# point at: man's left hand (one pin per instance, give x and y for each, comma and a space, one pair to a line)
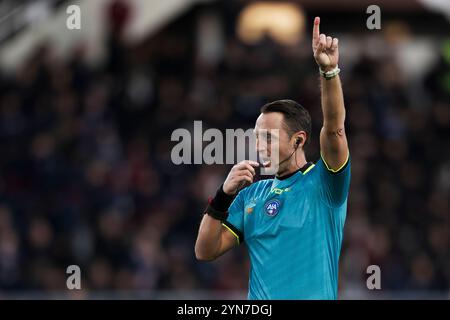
325, 48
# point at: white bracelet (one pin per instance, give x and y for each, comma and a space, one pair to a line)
330, 74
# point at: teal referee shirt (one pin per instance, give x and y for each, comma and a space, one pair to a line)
293, 230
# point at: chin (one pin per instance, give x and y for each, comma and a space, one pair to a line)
270, 170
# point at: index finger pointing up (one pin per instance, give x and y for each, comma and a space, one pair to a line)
316, 31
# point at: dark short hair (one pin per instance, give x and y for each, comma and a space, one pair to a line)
296, 117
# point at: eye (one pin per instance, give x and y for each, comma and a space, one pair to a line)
264, 138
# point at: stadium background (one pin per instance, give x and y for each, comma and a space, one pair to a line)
86, 118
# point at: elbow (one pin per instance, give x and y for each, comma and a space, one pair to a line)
205, 258
201, 255
335, 118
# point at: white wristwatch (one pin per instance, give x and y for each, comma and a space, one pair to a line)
330, 74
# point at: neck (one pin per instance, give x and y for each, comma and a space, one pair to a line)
297, 161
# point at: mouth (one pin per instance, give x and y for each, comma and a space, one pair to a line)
267, 167
266, 163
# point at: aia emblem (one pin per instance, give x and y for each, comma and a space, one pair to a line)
272, 207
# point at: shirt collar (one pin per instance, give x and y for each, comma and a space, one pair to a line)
302, 169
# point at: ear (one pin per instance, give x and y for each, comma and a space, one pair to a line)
300, 139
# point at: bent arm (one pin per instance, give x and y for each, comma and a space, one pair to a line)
217, 234
213, 239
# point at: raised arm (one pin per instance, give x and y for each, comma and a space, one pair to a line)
333, 142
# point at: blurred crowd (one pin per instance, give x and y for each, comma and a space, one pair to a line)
86, 176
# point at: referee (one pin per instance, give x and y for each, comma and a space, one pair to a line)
292, 224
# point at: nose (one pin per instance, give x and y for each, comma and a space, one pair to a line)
262, 149
259, 146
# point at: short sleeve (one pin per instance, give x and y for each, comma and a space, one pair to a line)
235, 220
335, 184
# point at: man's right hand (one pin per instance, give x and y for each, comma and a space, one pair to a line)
240, 175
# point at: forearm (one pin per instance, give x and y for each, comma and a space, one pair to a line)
332, 104
209, 238
212, 240
333, 141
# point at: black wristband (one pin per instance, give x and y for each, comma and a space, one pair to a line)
218, 215
221, 201
218, 206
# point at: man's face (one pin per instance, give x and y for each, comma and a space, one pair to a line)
271, 136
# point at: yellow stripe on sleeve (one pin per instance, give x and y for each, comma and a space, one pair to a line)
338, 169
234, 233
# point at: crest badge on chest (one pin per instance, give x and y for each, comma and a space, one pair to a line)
272, 207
